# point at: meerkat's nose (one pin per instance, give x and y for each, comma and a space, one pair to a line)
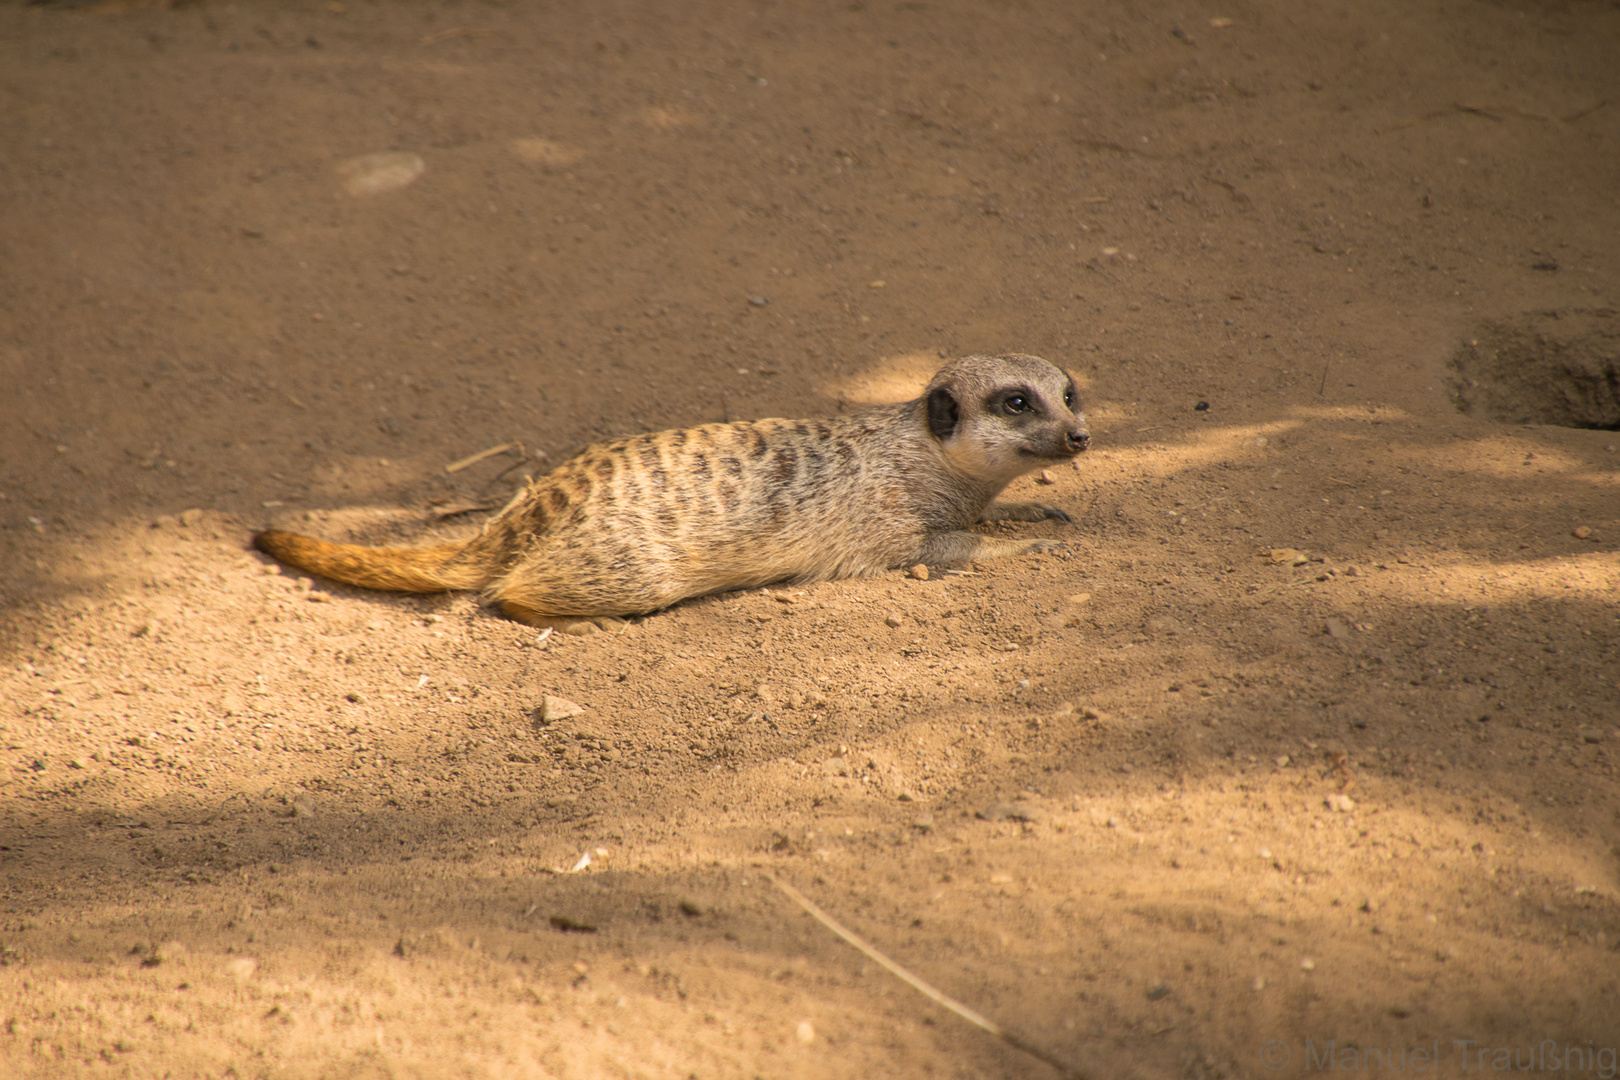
1079, 439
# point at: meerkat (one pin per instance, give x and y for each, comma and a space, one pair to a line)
633, 526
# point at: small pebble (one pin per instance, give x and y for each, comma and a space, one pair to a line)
355, 696
1259, 983
1591, 735
558, 708
1158, 992
760, 301
1307, 964
1341, 803
1336, 629
374, 174
1582, 532
892, 621
806, 1032
303, 806
919, 572
1283, 760
1045, 477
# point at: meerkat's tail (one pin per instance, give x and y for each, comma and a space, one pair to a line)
390, 569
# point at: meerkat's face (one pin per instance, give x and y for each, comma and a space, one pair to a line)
998, 417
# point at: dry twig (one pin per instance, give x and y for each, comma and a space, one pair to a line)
473, 459
919, 985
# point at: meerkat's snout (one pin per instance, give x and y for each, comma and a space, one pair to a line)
1079, 440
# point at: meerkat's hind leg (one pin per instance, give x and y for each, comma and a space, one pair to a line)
1024, 511
960, 546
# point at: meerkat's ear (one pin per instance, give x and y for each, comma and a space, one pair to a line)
943, 412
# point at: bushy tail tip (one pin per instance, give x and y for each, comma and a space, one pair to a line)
389, 569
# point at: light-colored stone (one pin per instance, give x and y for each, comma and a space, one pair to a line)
558, 708
373, 174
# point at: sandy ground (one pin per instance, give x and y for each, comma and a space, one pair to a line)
1163, 803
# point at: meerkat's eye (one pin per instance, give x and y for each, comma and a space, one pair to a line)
1017, 403
1068, 398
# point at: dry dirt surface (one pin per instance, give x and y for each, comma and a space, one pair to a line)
1300, 757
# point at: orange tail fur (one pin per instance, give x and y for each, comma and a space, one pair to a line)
417, 570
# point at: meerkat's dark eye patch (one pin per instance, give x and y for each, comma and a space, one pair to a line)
943, 413
1069, 396
1013, 402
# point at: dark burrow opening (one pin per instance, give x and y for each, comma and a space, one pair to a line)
1558, 367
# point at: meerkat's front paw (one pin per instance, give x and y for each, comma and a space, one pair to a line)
1023, 511
594, 624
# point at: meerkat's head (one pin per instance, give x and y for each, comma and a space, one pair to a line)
998, 417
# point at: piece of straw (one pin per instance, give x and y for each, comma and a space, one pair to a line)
919, 985
473, 459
